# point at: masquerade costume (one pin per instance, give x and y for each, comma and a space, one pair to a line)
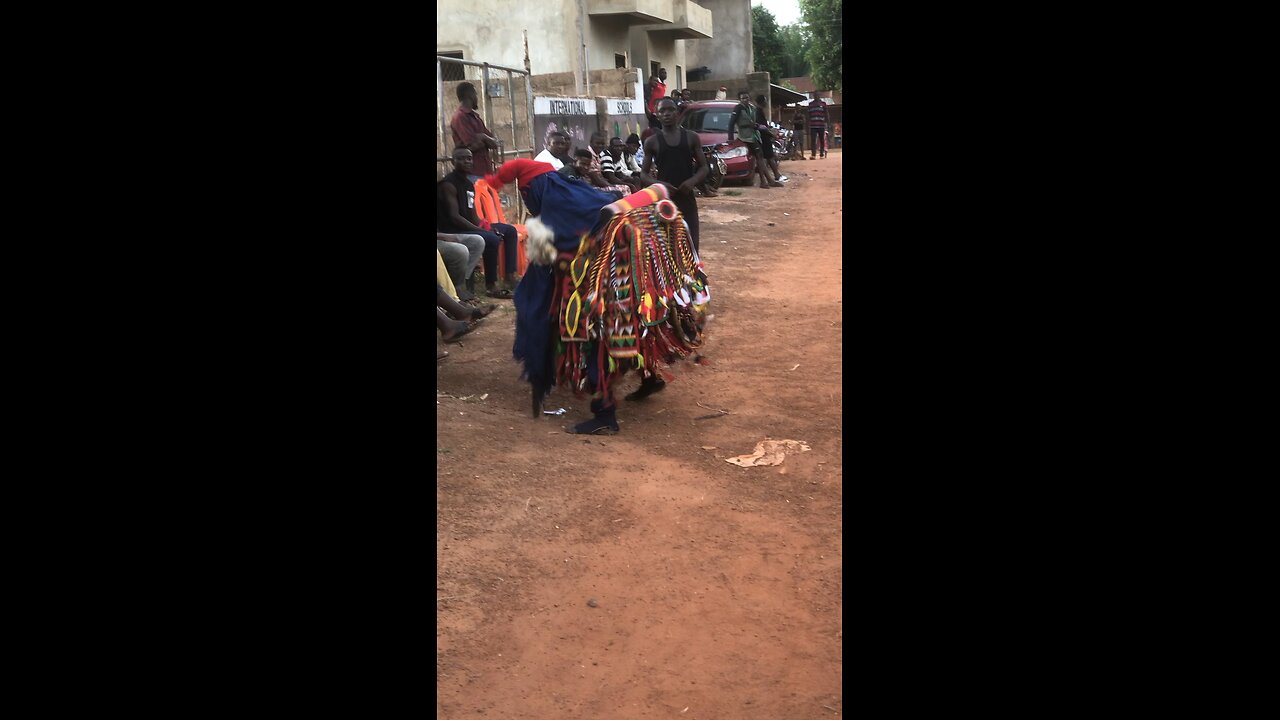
612, 285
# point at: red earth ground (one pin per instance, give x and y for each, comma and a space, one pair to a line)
715, 590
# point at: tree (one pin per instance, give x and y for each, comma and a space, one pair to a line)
826, 53
795, 45
767, 51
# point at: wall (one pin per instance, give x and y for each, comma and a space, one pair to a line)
490, 31
729, 54
606, 36
617, 83
663, 48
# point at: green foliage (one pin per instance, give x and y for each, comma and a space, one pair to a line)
766, 44
826, 53
795, 45
780, 51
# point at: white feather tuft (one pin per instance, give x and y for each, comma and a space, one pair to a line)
540, 248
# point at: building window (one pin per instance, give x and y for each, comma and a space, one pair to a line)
679, 82
619, 61
452, 71
653, 69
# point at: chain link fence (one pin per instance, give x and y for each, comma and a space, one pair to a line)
506, 105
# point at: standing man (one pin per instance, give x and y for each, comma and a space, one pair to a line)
799, 123
656, 91
766, 141
469, 130
817, 127
677, 155
743, 120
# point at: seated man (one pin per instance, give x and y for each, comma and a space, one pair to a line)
632, 156
580, 171
614, 168
557, 152
453, 319
462, 254
456, 206
597, 146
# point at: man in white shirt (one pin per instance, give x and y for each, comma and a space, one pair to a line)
557, 152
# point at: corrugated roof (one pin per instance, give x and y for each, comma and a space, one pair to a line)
802, 84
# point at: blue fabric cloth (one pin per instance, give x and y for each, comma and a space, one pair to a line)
569, 208
536, 327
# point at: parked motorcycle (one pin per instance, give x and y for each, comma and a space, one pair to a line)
784, 141
716, 169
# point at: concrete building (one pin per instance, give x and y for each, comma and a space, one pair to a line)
730, 55
578, 36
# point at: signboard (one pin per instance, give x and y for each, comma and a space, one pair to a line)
564, 106
625, 107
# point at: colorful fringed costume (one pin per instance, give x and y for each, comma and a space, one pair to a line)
612, 285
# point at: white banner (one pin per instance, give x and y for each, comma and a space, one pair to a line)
563, 106
625, 107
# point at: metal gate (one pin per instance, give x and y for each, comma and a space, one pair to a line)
511, 121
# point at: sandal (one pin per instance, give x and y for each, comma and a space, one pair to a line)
502, 294
441, 355
458, 335
479, 312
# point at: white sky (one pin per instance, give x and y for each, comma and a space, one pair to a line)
786, 12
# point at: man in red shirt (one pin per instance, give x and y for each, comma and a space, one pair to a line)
657, 91
469, 130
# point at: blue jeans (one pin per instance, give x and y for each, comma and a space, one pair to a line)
506, 236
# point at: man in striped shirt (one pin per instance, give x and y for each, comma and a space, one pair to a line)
817, 127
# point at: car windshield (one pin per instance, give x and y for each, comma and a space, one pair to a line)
707, 120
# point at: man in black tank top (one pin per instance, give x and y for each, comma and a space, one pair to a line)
677, 154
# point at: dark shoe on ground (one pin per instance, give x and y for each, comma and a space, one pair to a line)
774, 183
501, 294
441, 355
479, 313
648, 386
595, 426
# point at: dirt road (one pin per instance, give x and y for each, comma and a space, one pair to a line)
715, 590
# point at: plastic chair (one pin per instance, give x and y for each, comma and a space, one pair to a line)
489, 207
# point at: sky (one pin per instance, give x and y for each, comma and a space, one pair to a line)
786, 12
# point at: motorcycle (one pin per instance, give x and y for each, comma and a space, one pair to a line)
716, 169
784, 141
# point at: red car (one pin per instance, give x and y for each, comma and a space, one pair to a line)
710, 119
